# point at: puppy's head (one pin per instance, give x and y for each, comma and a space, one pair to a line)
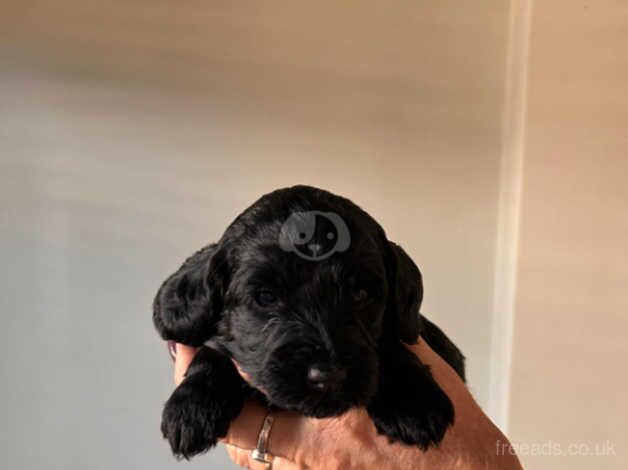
303, 291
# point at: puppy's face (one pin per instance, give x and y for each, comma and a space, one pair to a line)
306, 324
306, 331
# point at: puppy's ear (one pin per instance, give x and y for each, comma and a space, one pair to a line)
188, 303
405, 293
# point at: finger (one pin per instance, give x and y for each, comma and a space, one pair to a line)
244, 429
242, 457
238, 455
184, 356
285, 434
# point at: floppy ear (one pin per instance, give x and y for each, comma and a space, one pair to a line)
188, 303
405, 293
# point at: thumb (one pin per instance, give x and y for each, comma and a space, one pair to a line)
183, 357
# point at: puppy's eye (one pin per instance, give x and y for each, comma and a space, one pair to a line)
360, 295
265, 297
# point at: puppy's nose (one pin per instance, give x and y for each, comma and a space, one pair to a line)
323, 377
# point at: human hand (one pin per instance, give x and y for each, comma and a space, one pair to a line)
351, 440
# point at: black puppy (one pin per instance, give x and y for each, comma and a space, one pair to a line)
305, 292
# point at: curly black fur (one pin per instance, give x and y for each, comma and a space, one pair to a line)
280, 315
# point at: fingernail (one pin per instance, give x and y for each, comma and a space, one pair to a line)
172, 350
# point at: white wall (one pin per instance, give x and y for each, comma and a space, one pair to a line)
568, 383
131, 134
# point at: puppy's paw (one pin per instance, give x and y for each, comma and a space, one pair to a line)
421, 419
194, 419
416, 418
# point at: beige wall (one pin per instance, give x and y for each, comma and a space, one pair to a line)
570, 347
132, 133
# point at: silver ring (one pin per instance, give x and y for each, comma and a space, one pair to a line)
260, 453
